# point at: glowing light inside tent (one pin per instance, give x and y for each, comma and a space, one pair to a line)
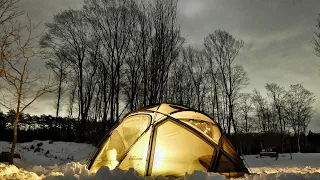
145, 152
158, 157
112, 159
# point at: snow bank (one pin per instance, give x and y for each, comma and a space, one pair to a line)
75, 171
12, 172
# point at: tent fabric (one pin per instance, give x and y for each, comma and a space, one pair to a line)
168, 140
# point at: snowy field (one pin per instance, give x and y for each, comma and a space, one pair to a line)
45, 160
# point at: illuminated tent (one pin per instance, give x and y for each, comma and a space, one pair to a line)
168, 140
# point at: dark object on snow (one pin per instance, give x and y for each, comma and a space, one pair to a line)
40, 144
4, 156
270, 154
46, 154
50, 142
37, 149
32, 146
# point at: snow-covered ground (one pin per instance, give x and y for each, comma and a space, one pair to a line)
46, 153
301, 166
47, 160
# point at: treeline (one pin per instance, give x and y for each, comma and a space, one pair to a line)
47, 127
254, 143
282, 112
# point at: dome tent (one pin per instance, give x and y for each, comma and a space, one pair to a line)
168, 140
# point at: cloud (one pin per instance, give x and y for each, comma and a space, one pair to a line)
192, 8
262, 41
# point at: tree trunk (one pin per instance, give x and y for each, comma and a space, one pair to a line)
145, 83
299, 150
232, 119
59, 93
15, 134
217, 101
117, 93
81, 91
290, 148
112, 96
246, 118
15, 125
228, 117
105, 103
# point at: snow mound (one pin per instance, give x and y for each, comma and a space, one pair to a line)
13, 173
78, 171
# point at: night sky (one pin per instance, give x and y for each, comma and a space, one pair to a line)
277, 35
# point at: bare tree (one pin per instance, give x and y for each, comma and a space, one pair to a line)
68, 31
245, 106
213, 71
299, 109
224, 48
72, 96
15, 68
137, 62
179, 84
59, 66
9, 11
261, 110
316, 38
116, 31
276, 93
145, 35
196, 67
166, 43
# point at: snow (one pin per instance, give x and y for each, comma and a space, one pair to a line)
50, 153
76, 170
47, 160
300, 159
301, 166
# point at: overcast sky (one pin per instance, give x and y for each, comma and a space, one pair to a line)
277, 36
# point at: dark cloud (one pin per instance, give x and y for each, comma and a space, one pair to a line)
277, 36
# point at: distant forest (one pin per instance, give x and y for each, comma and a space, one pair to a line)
47, 127
112, 57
